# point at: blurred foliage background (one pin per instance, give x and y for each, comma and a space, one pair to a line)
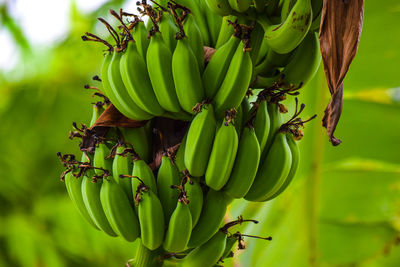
342, 210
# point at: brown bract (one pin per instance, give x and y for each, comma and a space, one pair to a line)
111, 117
341, 24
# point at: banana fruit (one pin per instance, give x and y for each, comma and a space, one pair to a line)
222, 156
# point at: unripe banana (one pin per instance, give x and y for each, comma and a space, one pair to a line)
195, 39
159, 66
195, 194
200, 138
187, 77
287, 5
109, 92
137, 82
294, 149
214, 24
119, 89
262, 124
236, 82
273, 171
180, 155
275, 118
101, 160
151, 219
168, 29
139, 140
305, 61
74, 186
140, 37
211, 217
222, 156
246, 165
198, 20
122, 165
257, 38
220, 7
286, 36
240, 5
145, 174
91, 198
208, 254
272, 61
168, 175
118, 210
226, 31
179, 229
217, 67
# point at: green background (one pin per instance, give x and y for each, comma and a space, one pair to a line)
342, 210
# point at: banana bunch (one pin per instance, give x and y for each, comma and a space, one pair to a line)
209, 77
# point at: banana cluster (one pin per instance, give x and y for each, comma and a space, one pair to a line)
232, 148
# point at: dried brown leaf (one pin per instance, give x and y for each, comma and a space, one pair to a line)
111, 117
341, 24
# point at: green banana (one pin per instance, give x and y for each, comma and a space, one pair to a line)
217, 67
141, 40
187, 77
220, 7
286, 6
305, 61
222, 156
151, 219
74, 186
168, 29
118, 210
137, 137
266, 81
214, 23
137, 82
109, 92
167, 176
180, 155
179, 229
246, 165
272, 61
210, 252
236, 82
198, 20
285, 37
159, 66
195, 194
145, 174
101, 160
240, 5
294, 149
273, 170
257, 38
262, 124
211, 217
200, 136
226, 31
195, 39
91, 198
207, 254
276, 121
122, 165
119, 89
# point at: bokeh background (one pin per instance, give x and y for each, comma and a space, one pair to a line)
342, 210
